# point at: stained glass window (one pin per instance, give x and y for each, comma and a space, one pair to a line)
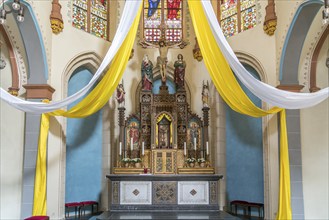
92, 17
163, 19
236, 16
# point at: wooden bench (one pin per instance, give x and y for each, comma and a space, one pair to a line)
85, 204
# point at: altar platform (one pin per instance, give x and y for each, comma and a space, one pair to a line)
188, 215
164, 192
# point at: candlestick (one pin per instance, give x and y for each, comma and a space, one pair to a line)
207, 148
184, 148
194, 143
120, 148
143, 148
131, 144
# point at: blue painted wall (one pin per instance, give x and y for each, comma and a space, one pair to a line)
83, 149
244, 153
157, 83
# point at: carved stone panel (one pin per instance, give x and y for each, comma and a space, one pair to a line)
135, 193
193, 192
213, 192
165, 192
115, 192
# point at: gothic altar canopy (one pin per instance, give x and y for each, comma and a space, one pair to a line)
164, 136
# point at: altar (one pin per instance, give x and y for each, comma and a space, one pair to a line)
163, 192
163, 153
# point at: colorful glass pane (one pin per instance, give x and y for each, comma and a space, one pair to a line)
173, 35
81, 4
79, 18
152, 35
98, 27
247, 4
99, 8
153, 19
228, 8
248, 18
229, 26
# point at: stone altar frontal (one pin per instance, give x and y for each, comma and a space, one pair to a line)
164, 192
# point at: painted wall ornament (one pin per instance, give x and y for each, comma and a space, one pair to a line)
270, 22
197, 52
56, 19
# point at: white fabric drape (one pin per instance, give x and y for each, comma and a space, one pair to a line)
267, 93
127, 18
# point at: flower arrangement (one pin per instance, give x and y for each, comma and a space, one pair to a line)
126, 160
201, 160
191, 160
136, 160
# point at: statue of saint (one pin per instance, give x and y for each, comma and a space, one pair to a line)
205, 94
180, 65
147, 74
134, 133
120, 97
162, 60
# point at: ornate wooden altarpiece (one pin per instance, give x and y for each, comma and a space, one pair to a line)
158, 132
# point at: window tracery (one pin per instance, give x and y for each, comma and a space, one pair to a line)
92, 16
236, 16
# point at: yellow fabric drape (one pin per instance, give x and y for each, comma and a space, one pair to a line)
93, 102
39, 199
234, 96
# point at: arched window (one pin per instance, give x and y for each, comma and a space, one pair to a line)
163, 19
236, 16
92, 16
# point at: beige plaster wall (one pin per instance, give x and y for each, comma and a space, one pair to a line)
11, 148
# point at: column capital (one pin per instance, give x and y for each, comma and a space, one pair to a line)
39, 91
291, 87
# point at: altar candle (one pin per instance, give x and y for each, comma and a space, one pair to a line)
194, 143
207, 148
184, 148
143, 148
131, 144
120, 148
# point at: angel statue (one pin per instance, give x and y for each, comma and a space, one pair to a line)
120, 96
205, 94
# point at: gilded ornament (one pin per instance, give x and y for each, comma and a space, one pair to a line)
270, 27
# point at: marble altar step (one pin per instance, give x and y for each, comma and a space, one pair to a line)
169, 215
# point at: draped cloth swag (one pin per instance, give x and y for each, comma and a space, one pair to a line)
267, 93
93, 102
230, 90
128, 15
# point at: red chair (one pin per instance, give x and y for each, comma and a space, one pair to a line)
38, 218
75, 205
85, 204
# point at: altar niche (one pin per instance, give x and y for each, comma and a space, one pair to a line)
164, 134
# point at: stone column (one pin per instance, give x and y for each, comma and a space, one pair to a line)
34, 92
295, 156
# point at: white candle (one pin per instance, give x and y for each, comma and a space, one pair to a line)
131, 144
194, 143
120, 148
143, 148
207, 148
184, 148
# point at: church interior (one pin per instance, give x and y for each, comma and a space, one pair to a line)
112, 106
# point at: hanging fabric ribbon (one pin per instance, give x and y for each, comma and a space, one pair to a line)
93, 102
234, 96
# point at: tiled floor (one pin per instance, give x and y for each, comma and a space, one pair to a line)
189, 215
